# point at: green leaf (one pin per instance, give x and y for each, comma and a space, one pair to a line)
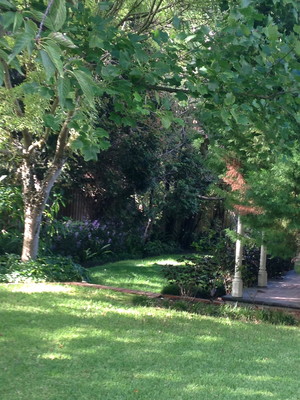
49, 67
86, 84
7, 4
271, 31
30, 88
101, 133
39, 16
245, 3
63, 89
3, 55
213, 86
160, 36
181, 96
105, 5
176, 22
225, 115
297, 47
51, 122
110, 71
90, 153
166, 121
297, 28
30, 27
8, 19
95, 41
46, 93
54, 54
16, 65
137, 97
1, 74
58, 14
62, 39
18, 20
76, 144
229, 99
22, 40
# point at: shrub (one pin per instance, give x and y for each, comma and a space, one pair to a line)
246, 314
157, 247
200, 276
88, 241
173, 289
10, 242
49, 269
223, 251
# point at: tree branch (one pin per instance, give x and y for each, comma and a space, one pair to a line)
136, 4
167, 89
38, 35
211, 198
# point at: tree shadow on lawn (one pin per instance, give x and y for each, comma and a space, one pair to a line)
102, 350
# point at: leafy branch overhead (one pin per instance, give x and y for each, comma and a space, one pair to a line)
65, 66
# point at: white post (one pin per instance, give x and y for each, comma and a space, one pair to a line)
237, 283
262, 273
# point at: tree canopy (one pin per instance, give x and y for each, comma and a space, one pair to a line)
69, 67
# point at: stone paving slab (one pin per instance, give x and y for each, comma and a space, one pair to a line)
283, 292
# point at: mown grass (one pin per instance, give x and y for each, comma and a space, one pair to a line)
142, 274
62, 342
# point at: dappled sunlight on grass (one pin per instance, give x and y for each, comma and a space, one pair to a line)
89, 344
142, 274
160, 261
40, 287
53, 356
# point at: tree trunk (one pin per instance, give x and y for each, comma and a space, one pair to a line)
32, 226
35, 197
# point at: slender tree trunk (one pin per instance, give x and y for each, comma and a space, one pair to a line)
35, 197
32, 226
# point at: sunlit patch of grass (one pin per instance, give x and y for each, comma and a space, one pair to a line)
40, 287
142, 274
88, 344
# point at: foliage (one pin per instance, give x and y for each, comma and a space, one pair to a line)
54, 80
157, 247
11, 205
246, 314
49, 269
10, 241
199, 276
211, 275
87, 241
11, 217
250, 76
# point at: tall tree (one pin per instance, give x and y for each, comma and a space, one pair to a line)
56, 67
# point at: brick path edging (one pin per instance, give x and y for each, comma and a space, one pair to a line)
152, 295
148, 294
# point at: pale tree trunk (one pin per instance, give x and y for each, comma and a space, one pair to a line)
32, 226
35, 197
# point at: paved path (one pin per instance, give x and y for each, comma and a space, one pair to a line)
283, 292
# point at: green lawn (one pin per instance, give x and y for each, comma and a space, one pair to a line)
143, 274
63, 343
